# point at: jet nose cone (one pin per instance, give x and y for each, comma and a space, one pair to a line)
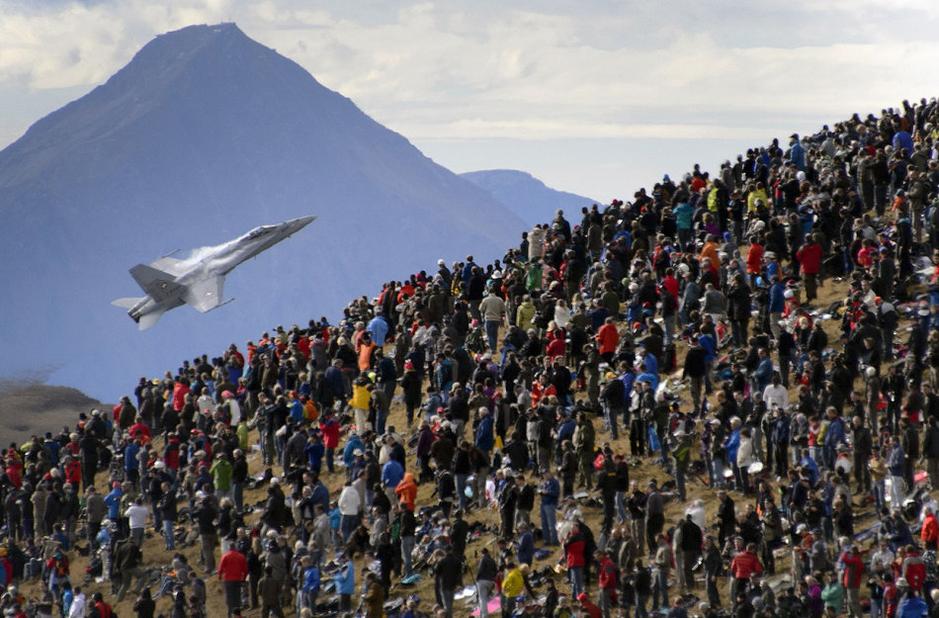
301, 222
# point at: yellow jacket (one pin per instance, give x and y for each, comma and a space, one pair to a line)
514, 583
360, 397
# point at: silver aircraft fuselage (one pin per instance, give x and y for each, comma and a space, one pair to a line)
199, 279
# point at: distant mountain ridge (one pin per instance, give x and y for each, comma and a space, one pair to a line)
202, 136
525, 195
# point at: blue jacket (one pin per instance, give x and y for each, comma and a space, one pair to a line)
113, 500
895, 461
314, 454
311, 580
835, 433
710, 347
651, 378
130, 456
797, 155
345, 579
484, 437
378, 329
732, 445
296, 411
809, 464
763, 373
320, 495
650, 364
352, 443
566, 429
777, 298
391, 473
912, 607
684, 215
550, 492
526, 548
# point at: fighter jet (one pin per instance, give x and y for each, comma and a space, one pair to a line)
198, 280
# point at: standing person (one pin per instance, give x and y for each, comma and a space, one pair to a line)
493, 312
233, 571
742, 567
662, 564
447, 578
608, 579
575, 547
851, 579
550, 491
486, 573
810, 263
270, 589
168, 515
896, 465
713, 567
136, 515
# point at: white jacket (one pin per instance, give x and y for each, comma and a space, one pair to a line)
745, 452
349, 501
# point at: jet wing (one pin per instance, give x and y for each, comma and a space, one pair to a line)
205, 295
158, 284
171, 265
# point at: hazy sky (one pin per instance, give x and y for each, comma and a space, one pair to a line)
593, 97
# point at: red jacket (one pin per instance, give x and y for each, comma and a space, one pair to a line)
607, 575
755, 259
744, 565
73, 472
233, 567
585, 604
930, 531
180, 391
330, 429
575, 549
607, 339
914, 570
810, 258
853, 570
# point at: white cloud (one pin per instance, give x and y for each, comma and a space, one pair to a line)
449, 70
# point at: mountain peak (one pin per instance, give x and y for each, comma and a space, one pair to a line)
203, 134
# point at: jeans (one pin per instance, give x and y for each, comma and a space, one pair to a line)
347, 524
621, 506
576, 575
136, 535
610, 417
168, 535
897, 491
484, 589
492, 333
659, 589
407, 546
238, 496
459, 481
549, 523
880, 495
446, 595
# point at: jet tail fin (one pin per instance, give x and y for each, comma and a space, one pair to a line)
126, 303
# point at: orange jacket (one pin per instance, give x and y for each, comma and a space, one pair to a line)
407, 491
709, 251
365, 356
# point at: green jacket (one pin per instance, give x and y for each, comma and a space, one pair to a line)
221, 474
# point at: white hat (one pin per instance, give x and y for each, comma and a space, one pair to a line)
200, 495
158, 464
440, 262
